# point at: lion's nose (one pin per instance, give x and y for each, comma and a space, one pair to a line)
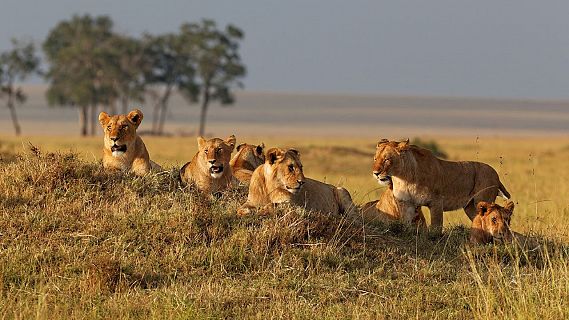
376, 173
212, 161
114, 139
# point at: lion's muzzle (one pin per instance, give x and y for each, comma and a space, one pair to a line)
382, 179
216, 170
296, 188
118, 150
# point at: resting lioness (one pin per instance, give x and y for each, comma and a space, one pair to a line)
246, 160
388, 209
422, 179
124, 149
209, 168
281, 180
492, 222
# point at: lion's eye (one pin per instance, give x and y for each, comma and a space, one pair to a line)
494, 220
205, 151
123, 127
374, 159
109, 128
217, 150
290, 168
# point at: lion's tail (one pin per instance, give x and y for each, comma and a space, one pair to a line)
502, 192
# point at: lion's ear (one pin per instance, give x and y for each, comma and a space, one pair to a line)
295, 152
201, 142
259, 149
240, 146
403, 145
382, 141
273, 155
135, 116
482, 207
104, 118
231, 141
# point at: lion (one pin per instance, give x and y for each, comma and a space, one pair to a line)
281, 180
492, 223
123, 148
246, 160
421, 179
388, 209
209, 169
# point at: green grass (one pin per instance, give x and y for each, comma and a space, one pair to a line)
78, 242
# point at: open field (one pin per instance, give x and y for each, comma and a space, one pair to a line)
323, 115
77, 242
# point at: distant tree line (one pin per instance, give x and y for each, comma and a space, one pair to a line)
91, 67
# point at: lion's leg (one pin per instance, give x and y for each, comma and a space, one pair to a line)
436, 210
470, 210
245, 209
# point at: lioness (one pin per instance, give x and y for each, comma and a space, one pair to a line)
209, 168
422, 179
246, 160
123, 148
281, 180
492, 222
389, 209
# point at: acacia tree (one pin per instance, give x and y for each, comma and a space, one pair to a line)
171, 67
129, 67
78, 52
217, 63
16, 65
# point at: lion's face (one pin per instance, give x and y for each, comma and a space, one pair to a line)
496, 219
285, 169
120, 131
252, 154
387, 159
215, 154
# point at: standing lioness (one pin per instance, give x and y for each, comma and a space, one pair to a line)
422, 179
124, 149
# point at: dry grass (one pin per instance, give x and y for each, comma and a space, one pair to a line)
77, 242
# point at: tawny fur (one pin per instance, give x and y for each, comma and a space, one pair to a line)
246, 160
492, 222
213, 152
281, 180
422, 179
388, 209
122, 128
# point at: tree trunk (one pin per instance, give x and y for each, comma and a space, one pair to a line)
13, 114
94, 118
163, 110
125, 102
205, 103
83, 120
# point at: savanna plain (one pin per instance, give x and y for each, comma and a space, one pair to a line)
78, 242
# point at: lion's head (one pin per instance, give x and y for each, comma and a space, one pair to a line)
283, 170
215, 154
249, 156
120, 131
494, 220
388, 159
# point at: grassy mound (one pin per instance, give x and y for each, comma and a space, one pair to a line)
79, 242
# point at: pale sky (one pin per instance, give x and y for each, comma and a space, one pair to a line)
480, 48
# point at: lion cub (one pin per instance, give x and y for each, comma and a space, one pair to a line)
388, 209
209, 168
281, 180
492, 222
123, 148
246, 160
